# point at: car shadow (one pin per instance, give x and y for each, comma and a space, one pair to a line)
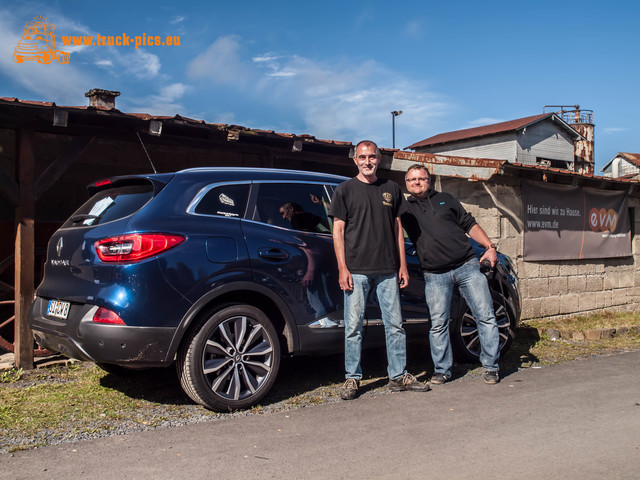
306, 374
158, 385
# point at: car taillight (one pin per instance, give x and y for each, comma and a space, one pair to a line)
104, 315
135, 247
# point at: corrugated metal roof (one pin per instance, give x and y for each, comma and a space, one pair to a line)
484, 168
502, 127
236, 129
450, 165
631, 157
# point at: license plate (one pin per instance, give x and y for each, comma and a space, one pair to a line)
58, 308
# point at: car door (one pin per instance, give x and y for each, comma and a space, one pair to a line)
288, 237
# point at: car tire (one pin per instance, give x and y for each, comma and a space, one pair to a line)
230, 358
464, 331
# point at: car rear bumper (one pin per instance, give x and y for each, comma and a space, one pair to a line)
81, 338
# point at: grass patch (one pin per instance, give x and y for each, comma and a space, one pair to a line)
73, 394
601, 320
549, 352
80, 400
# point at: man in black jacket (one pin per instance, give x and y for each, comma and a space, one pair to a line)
438, 226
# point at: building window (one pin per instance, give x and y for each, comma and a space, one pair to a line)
548, 162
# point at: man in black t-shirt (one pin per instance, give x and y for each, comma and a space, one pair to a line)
369, 247
438, 226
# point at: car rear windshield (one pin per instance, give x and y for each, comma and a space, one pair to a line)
111, 204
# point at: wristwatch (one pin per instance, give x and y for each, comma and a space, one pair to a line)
491, 245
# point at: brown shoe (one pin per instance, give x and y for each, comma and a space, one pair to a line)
349, 389
491, 377
408, 382
439, 379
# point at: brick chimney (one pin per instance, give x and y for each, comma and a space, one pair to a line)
104, 99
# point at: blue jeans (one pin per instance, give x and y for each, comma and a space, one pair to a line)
473, 286
355, 302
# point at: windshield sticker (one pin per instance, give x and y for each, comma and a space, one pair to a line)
226, 200
98, 209
227, 214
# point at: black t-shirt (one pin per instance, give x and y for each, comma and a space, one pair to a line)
437, 226
369, 211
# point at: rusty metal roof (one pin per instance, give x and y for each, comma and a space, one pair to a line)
233, 131
502, 127
475, 169
450, 165
632, 158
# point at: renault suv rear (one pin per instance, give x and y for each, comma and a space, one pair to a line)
202, 266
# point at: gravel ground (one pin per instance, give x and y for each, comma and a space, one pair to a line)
302, 382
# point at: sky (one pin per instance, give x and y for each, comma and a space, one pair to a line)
336, 70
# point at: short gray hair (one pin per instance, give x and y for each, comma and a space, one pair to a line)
366, 142
418, 166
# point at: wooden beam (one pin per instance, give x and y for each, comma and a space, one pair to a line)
56, 169
24, 250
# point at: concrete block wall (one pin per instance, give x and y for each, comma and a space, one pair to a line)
552, 289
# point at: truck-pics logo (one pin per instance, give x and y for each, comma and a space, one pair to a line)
38, 43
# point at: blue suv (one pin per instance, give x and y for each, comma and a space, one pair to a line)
222, 271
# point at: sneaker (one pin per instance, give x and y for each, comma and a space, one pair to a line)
491, 377
408, 382
440, 378
349, 389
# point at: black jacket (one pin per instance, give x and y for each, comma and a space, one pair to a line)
437, 226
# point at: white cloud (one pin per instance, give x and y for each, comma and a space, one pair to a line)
178, 19
614, 130
141, 64
414, 29
165, 102
265, 58
331, 99
221, 63
352, 101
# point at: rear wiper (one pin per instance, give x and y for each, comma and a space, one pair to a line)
82, 216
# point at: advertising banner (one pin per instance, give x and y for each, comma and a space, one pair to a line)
562, 222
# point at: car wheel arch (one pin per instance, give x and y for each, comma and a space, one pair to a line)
246, 293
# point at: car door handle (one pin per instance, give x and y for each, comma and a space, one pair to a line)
272, 254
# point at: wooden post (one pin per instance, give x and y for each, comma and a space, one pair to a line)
24, 250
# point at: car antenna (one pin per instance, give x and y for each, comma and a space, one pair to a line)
145, 151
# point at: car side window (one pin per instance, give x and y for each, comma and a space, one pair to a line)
224, 200
293, 205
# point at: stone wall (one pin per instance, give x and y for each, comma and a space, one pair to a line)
551, 288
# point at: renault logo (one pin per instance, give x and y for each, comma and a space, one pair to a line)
59, 247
